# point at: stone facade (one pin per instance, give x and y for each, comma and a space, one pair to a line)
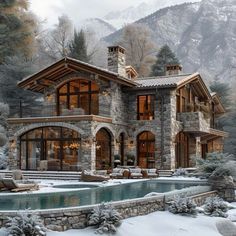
117, 113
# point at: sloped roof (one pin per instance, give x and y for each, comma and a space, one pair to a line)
164, 81
218, 103
65, 67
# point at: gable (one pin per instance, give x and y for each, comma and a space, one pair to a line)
65, 67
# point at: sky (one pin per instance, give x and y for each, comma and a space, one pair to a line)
82, 9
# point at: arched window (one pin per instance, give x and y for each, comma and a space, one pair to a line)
103, 150
146, 150
50, 148
80, 95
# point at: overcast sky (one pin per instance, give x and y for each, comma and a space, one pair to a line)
83, 9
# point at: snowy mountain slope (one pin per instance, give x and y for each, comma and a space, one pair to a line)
121, 17
100, 27
203, 35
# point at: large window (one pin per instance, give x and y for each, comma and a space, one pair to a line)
146, 107
80, 95
51, 148
146, 150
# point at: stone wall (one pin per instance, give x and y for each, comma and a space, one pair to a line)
76, 218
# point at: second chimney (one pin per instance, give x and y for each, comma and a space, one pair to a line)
116, 60
174, 69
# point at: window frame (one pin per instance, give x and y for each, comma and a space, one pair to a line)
149, 114
79, 94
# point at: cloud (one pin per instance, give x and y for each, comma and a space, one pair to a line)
77, 10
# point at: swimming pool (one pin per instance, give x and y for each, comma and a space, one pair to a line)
94, 195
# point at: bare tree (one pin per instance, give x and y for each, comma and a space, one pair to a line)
56, 42
140, 48
96, 47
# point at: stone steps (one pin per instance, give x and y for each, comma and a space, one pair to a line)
51, 175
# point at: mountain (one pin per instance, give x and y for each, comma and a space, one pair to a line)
98, 26
202, 34
121, 17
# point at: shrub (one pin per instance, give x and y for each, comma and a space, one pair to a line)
25, 224
213, 162
183, 205
105, 218
228, 169
215, 206
180, 172
3, 158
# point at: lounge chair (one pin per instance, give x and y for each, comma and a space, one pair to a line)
12, 185
119, 173
150, 173
135, 173
89, 177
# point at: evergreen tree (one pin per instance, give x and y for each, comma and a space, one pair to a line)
16, 29
78, 47
164, 57
223, 91
12, 71
226, 122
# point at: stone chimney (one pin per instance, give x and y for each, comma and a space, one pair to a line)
174, 69
116, 60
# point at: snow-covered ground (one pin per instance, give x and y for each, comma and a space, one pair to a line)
157, 223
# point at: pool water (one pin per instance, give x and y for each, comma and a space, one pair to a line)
88, 196
76, 186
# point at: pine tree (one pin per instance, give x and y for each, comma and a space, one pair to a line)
78, 47
12, 71
164, 57
16, 29
223, 91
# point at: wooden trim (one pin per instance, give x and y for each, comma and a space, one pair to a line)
60, 119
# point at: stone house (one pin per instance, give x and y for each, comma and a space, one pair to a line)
92, 114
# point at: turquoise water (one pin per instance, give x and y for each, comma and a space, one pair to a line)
90, 196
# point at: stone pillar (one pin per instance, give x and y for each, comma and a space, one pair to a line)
224, 186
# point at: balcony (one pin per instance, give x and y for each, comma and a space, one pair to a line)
194, 122
198, 123
43, 114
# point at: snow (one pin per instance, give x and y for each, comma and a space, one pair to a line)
158, 223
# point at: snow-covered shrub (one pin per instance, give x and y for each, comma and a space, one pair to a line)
3, 157
213, 162
105, 218
228, 169
182, 205
180, 172
25, 224
215, 206
3, 137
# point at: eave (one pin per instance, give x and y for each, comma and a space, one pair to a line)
67, 66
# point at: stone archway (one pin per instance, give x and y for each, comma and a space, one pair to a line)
103, 149
51, 148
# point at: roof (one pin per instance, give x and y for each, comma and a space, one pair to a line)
176, 81
64, 67
164, 81
218, 103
